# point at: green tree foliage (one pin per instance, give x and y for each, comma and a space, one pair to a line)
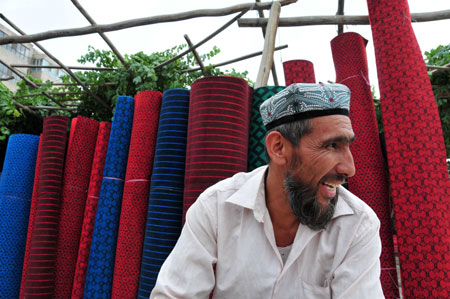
441, 87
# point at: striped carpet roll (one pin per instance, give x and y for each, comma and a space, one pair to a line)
32, 214
40, 276
256, 156
16, 188
370, 183
218, 129
298, 71
99, 274
165, 206
90, 209
133, 215
419, 183
77, 170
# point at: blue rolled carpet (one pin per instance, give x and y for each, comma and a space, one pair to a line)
165, 208
99, 275
16, 187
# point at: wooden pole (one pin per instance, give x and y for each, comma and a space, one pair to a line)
236, 59
51, 108
340, 12
203, 41
96, 97
337, 20
32, 95
197, 57
138, 22
87, 68
263, 29
29, 82
75, 84
27, 108
269, 45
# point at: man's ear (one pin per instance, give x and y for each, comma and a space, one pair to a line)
278, 148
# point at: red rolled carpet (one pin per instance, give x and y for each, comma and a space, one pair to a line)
90, 209
33, 205
133, 214
40, 276
218, 126
419, 183
370, 183
77, 170
298, 71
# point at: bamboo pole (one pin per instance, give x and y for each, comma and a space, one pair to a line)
269, 45
52, 108
88, 68
104, 37
197, 57
263, 28
75, 84
236, 59
339, 20
29, 82
340, 12
27, 108
32, 95
227, 24
138, 22
96, 97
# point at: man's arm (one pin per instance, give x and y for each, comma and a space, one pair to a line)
359, 274
188, 271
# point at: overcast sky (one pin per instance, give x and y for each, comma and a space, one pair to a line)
308, 42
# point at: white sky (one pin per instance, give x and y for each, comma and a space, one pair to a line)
308, 42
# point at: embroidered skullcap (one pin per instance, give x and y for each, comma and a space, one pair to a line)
305, 100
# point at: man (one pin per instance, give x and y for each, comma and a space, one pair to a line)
288, 230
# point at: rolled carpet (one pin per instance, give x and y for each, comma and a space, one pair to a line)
165, 206
256, 156
16, 188
32, 214
90, 209
298, 71
99, 275
77, 169
419, 184
40, 276
370, 183
218, 128
130, 239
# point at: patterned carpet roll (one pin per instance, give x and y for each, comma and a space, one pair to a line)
218, 129
32, 214
16, 187
77, 170
147, 105
370, 183
256, 156
40, 276
420, 187
298, 71
165, 207
90, 209
99, 274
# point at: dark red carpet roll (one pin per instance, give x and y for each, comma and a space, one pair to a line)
90, 209
77, 170
419, 183
133, 214
218, 126
40, 276
298, 71
33, 205
370, 183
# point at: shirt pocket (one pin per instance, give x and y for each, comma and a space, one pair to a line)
311, 291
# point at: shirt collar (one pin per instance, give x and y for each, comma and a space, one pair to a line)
252, 196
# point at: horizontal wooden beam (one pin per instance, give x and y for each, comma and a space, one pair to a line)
339, 20
137, 22
88, 68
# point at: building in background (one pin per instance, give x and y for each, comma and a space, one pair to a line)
25, 54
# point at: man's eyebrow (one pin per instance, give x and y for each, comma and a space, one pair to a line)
340, 139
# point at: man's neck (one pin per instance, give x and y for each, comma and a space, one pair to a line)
284, 222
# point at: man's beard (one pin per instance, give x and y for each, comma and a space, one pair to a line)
304, 203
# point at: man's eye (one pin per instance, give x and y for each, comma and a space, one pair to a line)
332, 145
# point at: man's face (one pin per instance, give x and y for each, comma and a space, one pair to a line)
319, 164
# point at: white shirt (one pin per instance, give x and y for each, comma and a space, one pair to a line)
229, 226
